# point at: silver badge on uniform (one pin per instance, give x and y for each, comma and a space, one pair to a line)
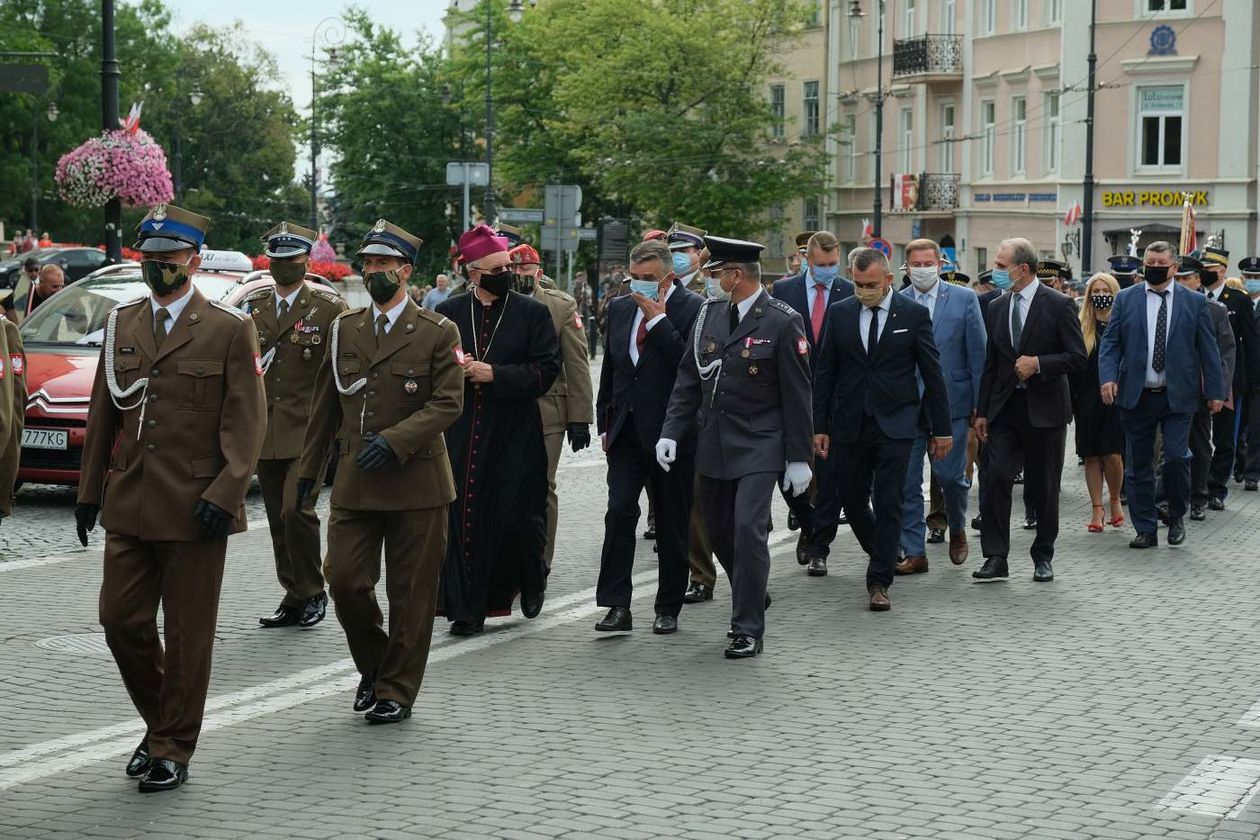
306, 354
410, 386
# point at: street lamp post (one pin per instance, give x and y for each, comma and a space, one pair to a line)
1087, 216
855, 10
109, 121
331, 38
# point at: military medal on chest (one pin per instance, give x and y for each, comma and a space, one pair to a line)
410, 386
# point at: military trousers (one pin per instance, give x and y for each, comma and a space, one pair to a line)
737, 513
554, 441
414, 542
168, 686
699, 551
294, 533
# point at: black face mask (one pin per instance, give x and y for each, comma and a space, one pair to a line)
164, 277
497, 284
1155, 275
382, 285
523, 283
1102, 301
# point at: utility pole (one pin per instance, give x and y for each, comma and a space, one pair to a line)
109, 121
879, 126
1087, 216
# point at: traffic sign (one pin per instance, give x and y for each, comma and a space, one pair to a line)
459, 173
883, 246
524, 215
588, 234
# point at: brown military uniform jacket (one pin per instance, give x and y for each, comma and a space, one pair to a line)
570, 398
300, 343
204, 415
413, 390
12, 410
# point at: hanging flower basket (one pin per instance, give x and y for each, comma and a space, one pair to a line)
323, 250
119, 164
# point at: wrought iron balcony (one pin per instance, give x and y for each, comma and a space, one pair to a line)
931, 56
938, 192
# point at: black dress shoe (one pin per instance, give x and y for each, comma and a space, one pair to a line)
698, 593
365, 694
650, 533
1043, 572
388, 711
532, 603
817, 567
460, 627
993, 568
1216, 503
793, 524
140, 760
1251, 485
1197, 513
1149, 540
1176, 532
802, 548
975, 523
314, 610
617, 621
284, 616
1030, 523
743, 647
665, 624
163, 774
936, 535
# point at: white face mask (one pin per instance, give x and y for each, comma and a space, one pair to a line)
923, 277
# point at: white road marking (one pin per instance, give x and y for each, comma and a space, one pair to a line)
1218, 786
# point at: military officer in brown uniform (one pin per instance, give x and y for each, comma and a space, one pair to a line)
12, 411
177, 418
293, 319
389, 387
569, 405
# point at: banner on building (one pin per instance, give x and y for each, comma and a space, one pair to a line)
905, 193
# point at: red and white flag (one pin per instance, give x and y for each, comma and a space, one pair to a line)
1073, 214
132, 123
868, 231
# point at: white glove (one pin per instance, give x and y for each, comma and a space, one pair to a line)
666, 452
796, 476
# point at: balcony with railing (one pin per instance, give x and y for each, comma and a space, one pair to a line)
928, 59
937, 192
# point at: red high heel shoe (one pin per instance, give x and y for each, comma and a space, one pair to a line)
1095, 528
1117, 521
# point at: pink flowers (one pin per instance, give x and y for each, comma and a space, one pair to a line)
329, 270
118, 164
323, 250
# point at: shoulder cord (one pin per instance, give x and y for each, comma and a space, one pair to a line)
117, 393
713, 370
354, 387
267, 359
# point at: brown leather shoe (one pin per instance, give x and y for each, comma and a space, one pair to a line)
958, 550
912, 564
879, 599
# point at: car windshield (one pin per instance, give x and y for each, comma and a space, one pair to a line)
76, 315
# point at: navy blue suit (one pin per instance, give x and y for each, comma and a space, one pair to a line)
1192, 370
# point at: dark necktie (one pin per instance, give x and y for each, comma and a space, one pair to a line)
284, 309
159, 327
734, 310
640, 336
1017, 322
1161, 332
872, 334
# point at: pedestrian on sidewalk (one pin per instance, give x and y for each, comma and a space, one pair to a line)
1099, 435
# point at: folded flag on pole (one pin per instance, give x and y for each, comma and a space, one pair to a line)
132, 123
1073, 214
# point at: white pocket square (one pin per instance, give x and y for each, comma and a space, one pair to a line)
901, 331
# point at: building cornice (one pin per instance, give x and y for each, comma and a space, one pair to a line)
1159, 64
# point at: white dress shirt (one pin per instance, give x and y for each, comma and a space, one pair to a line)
173, 310
864, 319
745, 305
638, 319
289, 299
392, 315
1153, 379
928, 298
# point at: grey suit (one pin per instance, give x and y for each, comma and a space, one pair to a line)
753, 413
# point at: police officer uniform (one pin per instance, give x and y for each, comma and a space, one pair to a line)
12, 410
293, 340
392, 375
176, 421
1125, 269
680, 237
744, 381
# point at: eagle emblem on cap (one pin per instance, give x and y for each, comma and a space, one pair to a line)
159, 212
380, 226
284, 228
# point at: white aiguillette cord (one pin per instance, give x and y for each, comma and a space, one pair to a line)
713, 370
116, 392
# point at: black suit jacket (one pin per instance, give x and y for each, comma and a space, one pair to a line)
643, 389
1243, 322
1052, 333
848, 380
791, 290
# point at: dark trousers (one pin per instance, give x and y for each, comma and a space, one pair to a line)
1224, 427
1140, 425
630, 469
699, 552
737, 516
871, 470
1200, 460
818, 517
1251, 462
168, 687
1014, 440
294, 533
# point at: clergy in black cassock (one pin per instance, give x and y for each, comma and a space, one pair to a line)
498, 522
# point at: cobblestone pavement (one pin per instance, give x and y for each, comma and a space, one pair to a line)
1120, 701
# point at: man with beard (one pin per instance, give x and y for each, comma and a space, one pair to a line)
510, 355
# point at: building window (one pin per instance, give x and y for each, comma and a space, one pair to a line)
1167, 5
982, 260
906, 155
811, 109
1161, 117
809, 216
948, 15
988, 120
1054, 132
1019, 18
778, 104
848, 143
947, 137
988, 20
907, 19
1019, 135
855, 32
1054, 11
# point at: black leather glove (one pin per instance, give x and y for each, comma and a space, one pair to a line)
579, 436
375, 454
304, 488
85, 520
215, 521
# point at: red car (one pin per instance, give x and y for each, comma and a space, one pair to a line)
62, 339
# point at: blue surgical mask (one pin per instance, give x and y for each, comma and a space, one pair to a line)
825, 274
1001, 278
682, 263
1253, 286
715, 290
647, 288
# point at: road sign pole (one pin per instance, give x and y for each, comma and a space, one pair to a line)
467, 207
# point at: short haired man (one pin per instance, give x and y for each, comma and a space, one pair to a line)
1250, 447
50, 280
441, 291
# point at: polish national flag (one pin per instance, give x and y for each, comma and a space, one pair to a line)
1073, 214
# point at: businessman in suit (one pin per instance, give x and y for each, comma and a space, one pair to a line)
958, 332
811, 294
1034, 342
1158, 358
645, 340
877, 348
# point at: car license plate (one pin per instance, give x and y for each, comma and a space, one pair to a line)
45, 439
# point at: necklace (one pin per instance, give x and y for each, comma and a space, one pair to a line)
472, 322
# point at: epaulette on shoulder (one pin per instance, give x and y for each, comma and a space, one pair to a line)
433, 317
231, 310
354, 310
782, 307
327, 294
557, 293
128, 303
259, 294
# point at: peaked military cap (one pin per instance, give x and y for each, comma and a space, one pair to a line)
388, 240
1214, 256
956, 277
802, 240
681, 236
1190, 264
985, 277
1249, 265
1124, 264
723, 250
1052, 270
169, 228
514, 235
288, 240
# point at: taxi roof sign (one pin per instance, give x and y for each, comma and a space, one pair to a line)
212, 260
